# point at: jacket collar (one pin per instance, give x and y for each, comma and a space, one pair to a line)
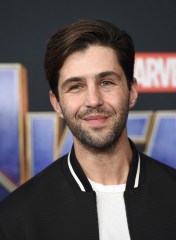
133, 179
78, 173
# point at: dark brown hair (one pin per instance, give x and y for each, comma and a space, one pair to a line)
78, 37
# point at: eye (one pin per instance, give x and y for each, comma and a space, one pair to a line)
106, 83
74, 88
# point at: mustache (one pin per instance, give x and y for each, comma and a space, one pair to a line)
98, 110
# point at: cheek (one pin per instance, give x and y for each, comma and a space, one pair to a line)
70, 108
119, 103
116, 98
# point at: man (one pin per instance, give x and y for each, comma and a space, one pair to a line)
104, 189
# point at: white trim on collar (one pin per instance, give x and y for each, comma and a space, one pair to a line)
136, 183
74, 175
81, 185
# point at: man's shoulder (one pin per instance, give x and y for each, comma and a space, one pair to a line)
157, 170
156, 163
50, 178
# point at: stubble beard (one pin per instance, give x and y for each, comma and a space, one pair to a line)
98, 139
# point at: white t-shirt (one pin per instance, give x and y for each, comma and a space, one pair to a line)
111, 211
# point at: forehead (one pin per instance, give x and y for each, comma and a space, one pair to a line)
89, 62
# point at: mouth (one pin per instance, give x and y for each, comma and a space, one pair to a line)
96, 119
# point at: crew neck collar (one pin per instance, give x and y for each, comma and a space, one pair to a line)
116, 188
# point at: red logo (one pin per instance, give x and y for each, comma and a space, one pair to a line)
155, 72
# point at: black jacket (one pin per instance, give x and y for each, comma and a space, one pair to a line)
51, 205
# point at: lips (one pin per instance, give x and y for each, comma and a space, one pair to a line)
96, 120
95, 117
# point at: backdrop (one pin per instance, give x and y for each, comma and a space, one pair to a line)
26, 26
24, 103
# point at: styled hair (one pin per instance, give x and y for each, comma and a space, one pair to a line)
79, 36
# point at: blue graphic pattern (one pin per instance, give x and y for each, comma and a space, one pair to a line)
9, 124
162, 144
42, 142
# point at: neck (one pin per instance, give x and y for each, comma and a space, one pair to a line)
109, 167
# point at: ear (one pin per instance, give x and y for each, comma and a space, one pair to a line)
55, 103
133, 93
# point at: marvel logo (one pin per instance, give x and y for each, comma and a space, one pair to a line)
156, 72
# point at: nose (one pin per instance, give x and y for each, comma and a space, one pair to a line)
93, 97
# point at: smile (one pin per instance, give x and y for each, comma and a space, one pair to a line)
96, 119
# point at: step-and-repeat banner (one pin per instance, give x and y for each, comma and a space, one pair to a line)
30, 141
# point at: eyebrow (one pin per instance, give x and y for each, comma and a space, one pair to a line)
97, 76
107, 73
72, 80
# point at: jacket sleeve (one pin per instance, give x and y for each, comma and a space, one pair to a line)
2, 233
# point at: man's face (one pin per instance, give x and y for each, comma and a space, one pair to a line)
94, 98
